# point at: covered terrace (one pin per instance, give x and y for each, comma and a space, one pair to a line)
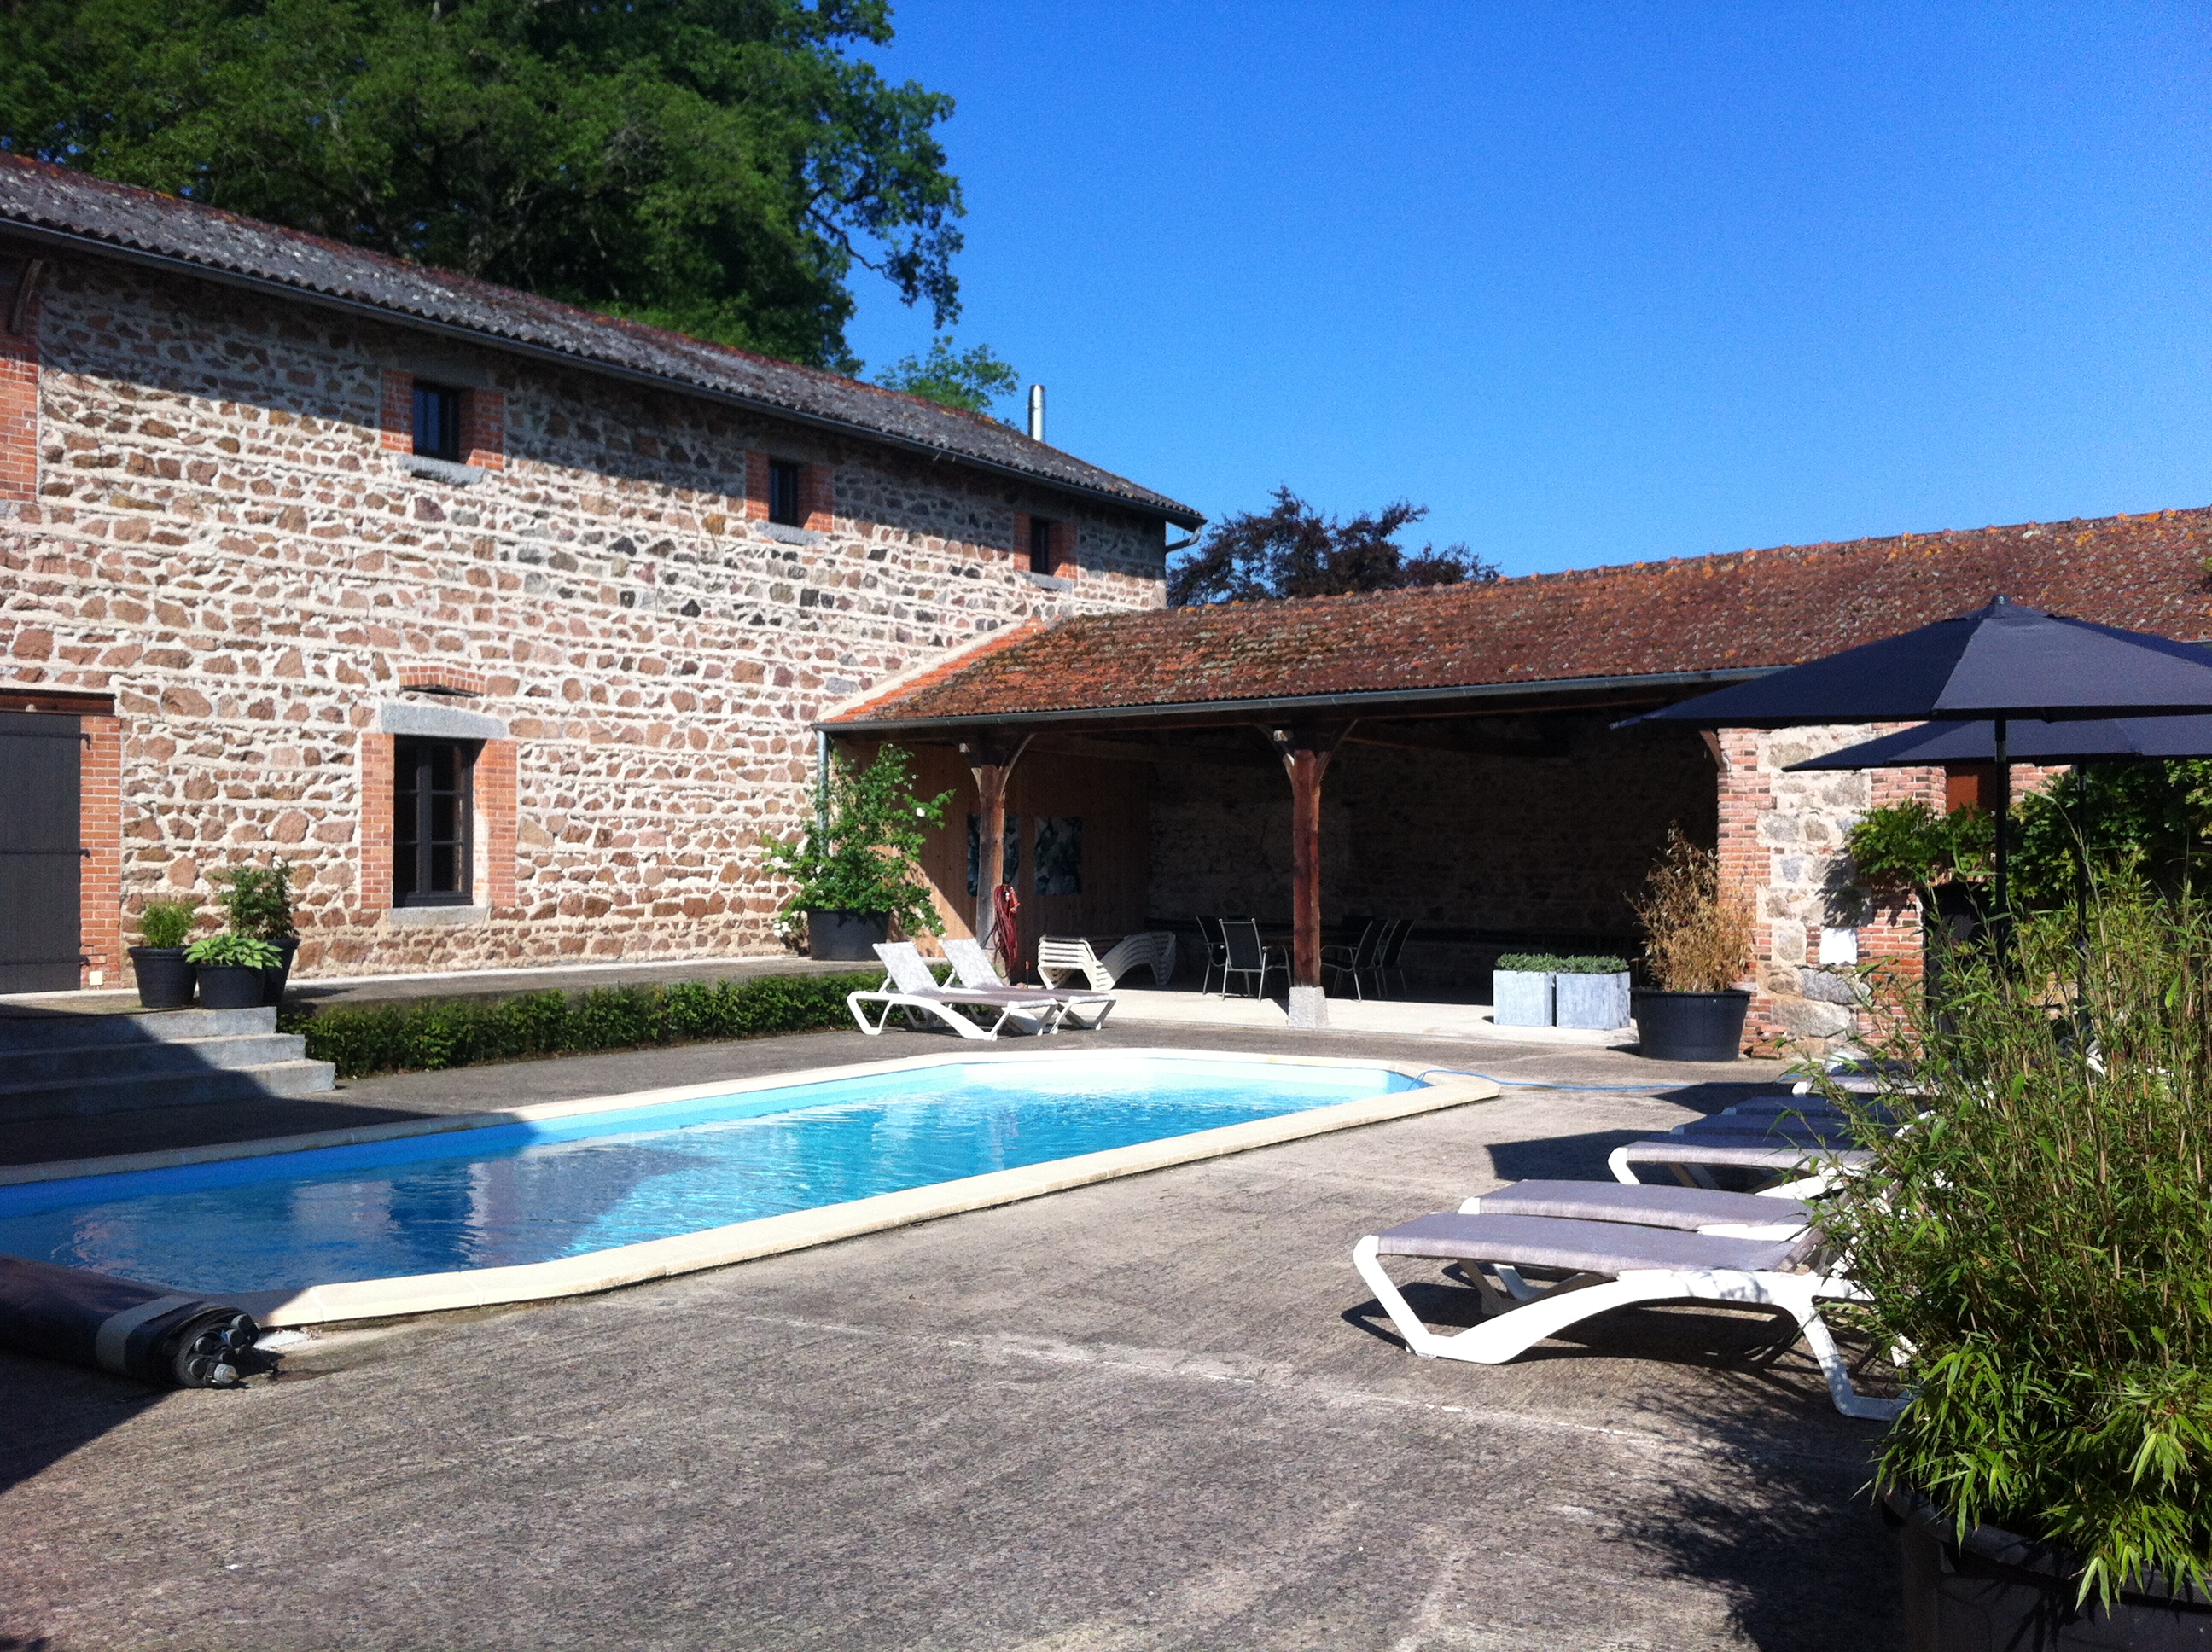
1450, 756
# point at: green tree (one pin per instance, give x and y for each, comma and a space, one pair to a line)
972, 379
714, 166
1293, 550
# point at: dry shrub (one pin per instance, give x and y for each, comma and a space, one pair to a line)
1697, 936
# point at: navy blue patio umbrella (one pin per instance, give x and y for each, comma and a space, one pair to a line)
2002, 664
2027, 740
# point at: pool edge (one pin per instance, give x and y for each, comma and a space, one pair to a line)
742, 1242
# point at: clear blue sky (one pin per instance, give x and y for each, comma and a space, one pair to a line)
1595, 282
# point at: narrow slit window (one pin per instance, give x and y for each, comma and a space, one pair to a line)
437, 421
1040, 545
783, 479
433, 809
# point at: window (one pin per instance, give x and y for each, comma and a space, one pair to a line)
432, 807
1040, 545
437, 421
783, 478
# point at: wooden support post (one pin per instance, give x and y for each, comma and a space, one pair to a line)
1306, 753
991, 762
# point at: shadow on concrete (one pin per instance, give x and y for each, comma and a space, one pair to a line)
52, 1409
1795, 1548
1562, 1158
1799, 1553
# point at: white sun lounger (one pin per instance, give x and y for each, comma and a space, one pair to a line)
1608, 1265
972, 964
911, 987
1061, 956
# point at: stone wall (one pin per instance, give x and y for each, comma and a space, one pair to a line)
220, 539
1475, 848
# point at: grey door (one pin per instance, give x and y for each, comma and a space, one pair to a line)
40, 857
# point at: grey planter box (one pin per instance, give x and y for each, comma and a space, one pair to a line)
1521, 998
1595, 1003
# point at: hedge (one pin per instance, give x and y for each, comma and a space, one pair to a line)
434, 1033
1551, 963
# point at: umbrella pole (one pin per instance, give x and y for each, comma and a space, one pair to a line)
2002, 916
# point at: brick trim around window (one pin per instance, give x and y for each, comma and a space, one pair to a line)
483, 428
497, 821
818, 501
99, 834
396, 418
756, 486
377, 753
444, 676
19, 382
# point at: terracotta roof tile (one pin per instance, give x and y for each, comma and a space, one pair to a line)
1742, 609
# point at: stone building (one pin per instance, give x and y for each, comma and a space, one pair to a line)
507, 623
515, 628
1471, 774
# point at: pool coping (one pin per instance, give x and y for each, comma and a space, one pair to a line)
768, 1235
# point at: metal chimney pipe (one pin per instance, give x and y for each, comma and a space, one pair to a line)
1037, 412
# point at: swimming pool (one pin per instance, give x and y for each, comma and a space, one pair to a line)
517, 1194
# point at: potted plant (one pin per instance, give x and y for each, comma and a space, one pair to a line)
230, 967
165, 974
256, 900
856, 867
2037, 1245
1521, 989
1590, 993
1698, 945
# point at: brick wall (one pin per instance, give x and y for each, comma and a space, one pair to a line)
19, 382
223, 539
1781, 846
99, 831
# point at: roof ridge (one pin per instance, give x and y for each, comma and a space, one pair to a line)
693, 357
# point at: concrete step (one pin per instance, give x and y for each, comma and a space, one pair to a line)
85, 1063
73, 1097
21, 1034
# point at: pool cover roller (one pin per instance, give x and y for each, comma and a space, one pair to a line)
171, 1339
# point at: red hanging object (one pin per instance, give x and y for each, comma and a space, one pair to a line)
1005, 933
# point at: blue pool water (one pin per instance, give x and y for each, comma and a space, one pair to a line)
531, 1192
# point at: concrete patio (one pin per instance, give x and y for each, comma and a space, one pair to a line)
1153, 1413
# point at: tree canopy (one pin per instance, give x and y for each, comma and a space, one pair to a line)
716, 167
1293, 550
972, 379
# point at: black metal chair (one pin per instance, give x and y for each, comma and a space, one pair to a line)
1217, 953
1246, 956
1356, 961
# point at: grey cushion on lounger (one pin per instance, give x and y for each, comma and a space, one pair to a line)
1645, 1205
1582, 1247
1666, 1150
1764, 1127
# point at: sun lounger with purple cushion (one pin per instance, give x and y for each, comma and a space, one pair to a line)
1606, 1265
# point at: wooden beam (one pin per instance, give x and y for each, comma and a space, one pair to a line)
991, 761
1137, 751
1306, 753
1399, 737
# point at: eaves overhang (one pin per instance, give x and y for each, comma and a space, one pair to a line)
63, 241
1372, 702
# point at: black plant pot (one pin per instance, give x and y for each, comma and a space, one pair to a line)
165, 977
1993, 1589
231, 986
849, 936
273, 979
1691, 1026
